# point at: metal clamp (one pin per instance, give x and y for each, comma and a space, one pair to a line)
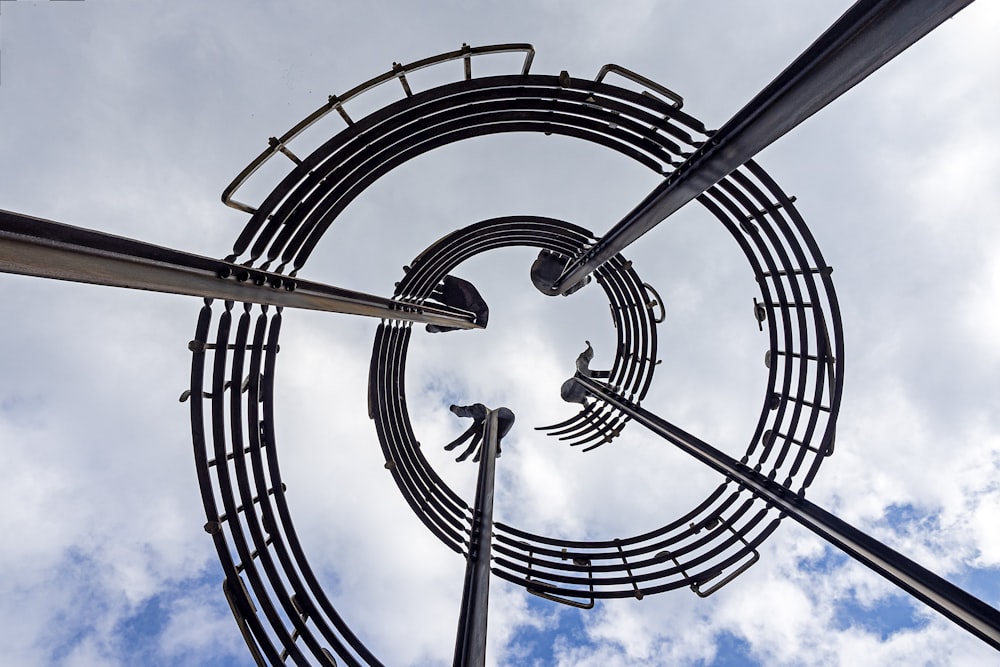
676, 101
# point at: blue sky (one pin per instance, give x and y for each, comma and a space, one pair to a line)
132, 117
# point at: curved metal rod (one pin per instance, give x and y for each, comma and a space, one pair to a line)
704, 553
676, 100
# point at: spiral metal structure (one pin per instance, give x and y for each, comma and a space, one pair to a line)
273, 592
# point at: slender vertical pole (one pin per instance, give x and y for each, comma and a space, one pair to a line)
962, 608
470, 644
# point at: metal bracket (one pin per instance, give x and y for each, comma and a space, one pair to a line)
676, 101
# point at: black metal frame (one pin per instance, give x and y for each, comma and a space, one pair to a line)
867, 36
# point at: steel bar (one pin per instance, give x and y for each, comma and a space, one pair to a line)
470, 644
46, 249
964, 609
868, 35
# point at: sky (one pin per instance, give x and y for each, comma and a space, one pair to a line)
131, 118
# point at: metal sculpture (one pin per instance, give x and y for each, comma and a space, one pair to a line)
277, 600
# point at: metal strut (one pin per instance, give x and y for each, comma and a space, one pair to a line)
45, 249
961, 607
867, 36
470, 643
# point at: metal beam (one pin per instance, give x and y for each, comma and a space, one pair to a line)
868, 35
470, 644
42, 248
964, 609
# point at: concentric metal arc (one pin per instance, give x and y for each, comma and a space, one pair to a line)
275, 596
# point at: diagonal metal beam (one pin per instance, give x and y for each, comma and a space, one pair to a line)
42, 248
962, 608
868, 35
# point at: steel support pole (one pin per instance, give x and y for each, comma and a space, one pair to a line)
964, 609
868, 35
470, 643
42, 248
